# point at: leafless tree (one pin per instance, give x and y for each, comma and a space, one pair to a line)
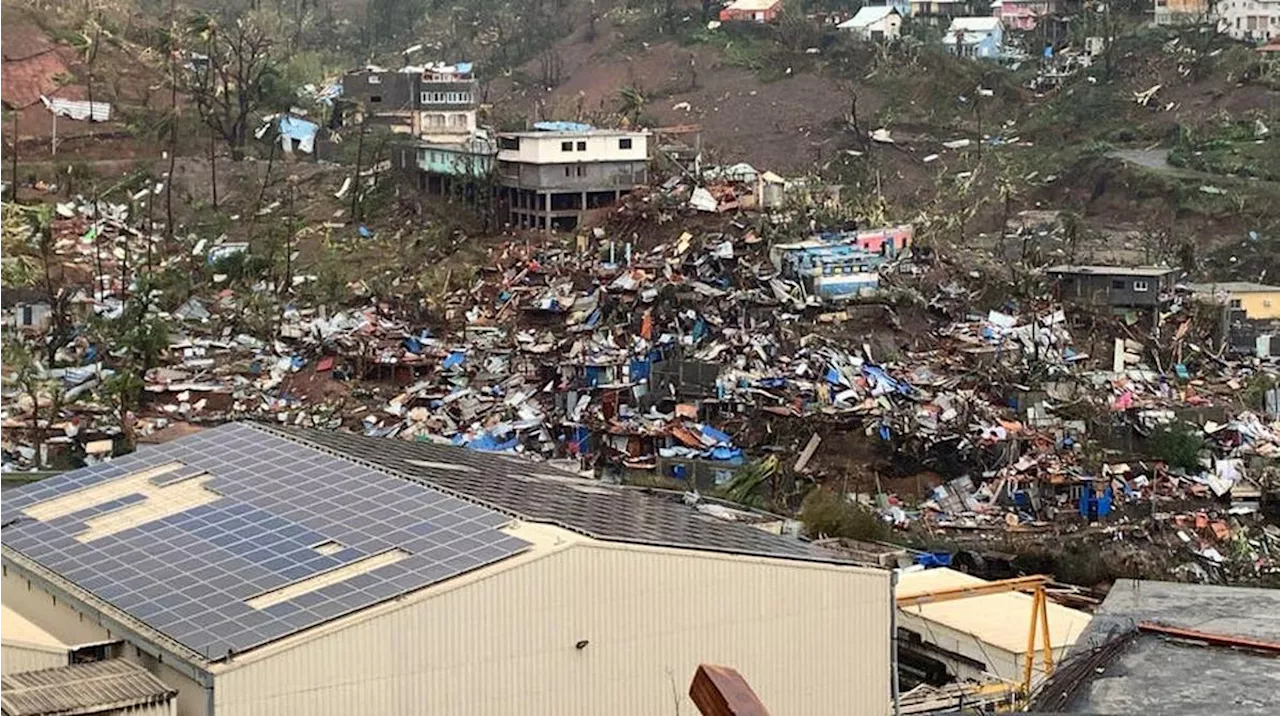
230, 86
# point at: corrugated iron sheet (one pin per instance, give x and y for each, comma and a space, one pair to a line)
102, 685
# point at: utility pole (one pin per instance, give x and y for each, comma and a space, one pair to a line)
151, 200
355, 189
173, 123
288, 241
13, 160
213, 168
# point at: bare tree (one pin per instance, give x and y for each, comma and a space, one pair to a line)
230, 87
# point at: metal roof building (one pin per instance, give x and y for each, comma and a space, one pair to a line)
103, 687
980, 635
260, 570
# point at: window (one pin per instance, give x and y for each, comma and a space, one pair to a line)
375, 80
375, 99
582, 146
1266, 303
509, 143
1117, 284
624, 144
566, 171
1235, 303
1141, 286
566, 146
582, 171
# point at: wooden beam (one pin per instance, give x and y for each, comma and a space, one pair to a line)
1017, 584
721, 691
1210, 638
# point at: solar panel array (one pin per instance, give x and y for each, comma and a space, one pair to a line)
188, 575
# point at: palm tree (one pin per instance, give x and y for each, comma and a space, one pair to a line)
631, 104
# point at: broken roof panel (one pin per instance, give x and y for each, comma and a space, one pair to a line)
82, 688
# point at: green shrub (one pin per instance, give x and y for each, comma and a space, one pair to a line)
826, 513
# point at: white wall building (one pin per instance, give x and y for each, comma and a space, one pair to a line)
324, 573
552, 175
980, 635
1249, 20
875, 23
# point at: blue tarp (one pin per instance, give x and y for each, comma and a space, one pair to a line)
299, 130
488, 443
1090, 502
727, 454
876, 375
453, 360
718, 436
929, 560
640, 369
562, 127
463, 67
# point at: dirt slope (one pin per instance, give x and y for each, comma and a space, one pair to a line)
784, 125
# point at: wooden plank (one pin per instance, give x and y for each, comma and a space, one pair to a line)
722, 691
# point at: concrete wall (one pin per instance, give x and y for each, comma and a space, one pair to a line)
811, 639
1111, 290
549, 147
1259, 305
392, 91
573, 177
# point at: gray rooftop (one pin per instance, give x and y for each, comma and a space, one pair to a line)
103, 686
1233, 287
1156, 675
1097, 270
539, 493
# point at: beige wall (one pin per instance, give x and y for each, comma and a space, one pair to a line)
811, 640
1261, 304
15, 658
161, 709
72, 627
998, 662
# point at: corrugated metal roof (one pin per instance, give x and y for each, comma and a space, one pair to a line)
1110, 270
81, 689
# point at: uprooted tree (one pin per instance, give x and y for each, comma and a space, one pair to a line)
236, 78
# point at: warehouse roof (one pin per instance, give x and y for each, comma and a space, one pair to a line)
81, 689
539, 493
999, 620
235, 537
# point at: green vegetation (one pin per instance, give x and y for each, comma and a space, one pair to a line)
1179, 445
827, 513
1236, 148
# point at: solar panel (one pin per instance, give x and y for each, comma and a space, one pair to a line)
189, 574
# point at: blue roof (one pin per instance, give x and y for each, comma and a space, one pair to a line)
562, 127
267, 502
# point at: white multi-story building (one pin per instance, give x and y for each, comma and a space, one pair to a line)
553, 174
1253, 20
